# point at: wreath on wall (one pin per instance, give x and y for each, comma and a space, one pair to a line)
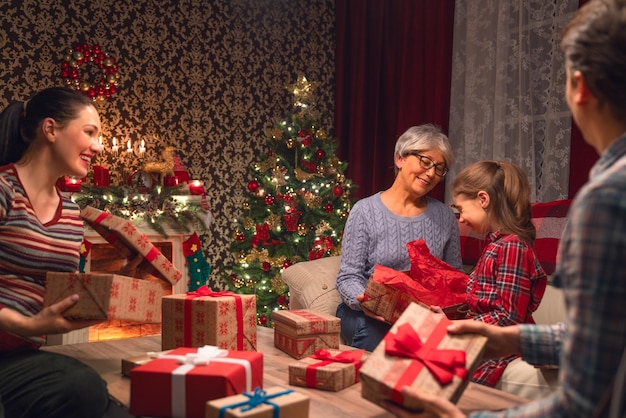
98, 81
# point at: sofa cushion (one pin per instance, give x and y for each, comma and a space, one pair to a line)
312, 284
549, 219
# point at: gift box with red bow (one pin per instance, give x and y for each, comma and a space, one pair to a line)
224, 319
430, 282
181, 382
418, 352
301, 332
332, 370
273, 402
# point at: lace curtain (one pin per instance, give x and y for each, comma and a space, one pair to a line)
508, 86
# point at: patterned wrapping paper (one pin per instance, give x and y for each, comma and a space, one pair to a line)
127, 239
331, 370
169, 387
224, 319
301, 332
106, 296
287, 402
425, 336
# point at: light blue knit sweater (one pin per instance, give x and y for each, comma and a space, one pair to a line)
374, 235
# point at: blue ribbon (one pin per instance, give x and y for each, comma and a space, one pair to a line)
257, 398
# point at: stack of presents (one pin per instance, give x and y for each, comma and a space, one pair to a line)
210, 366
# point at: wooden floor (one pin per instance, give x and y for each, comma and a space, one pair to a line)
106, 357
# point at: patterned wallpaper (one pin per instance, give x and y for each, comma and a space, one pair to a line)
206, 76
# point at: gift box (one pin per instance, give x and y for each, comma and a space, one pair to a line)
127, 239
224, 319
301, 332
105, 296
418, 352
430, 282
332, 370
180, 383
273, 402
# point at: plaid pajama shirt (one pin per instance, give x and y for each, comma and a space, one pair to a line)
504, 288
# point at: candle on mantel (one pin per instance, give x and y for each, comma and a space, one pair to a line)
142, 148
130, 147
69, 184
196, 187
114, 147
100, 176
170, 181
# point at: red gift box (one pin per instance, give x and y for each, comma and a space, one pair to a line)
418, 352
180, 383
224, 319
301, 332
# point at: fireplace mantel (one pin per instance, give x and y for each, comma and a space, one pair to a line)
102, 259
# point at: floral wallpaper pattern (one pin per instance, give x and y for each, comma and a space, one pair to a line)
206, 76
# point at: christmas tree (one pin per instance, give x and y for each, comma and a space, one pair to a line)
298, 203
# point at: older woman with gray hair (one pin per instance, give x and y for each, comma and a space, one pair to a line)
379, 227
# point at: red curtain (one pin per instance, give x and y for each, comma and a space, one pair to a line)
393, 68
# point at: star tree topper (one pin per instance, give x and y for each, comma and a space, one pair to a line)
303, 92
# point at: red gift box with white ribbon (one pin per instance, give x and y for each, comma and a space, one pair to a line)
179, 384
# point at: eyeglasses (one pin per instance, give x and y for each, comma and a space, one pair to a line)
427, 163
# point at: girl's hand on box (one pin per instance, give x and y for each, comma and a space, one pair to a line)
436, 309
49, 320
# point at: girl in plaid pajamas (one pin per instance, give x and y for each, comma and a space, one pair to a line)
507, 284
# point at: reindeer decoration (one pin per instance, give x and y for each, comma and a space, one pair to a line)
162, 168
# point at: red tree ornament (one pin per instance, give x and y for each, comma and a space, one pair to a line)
253, 186
337, 190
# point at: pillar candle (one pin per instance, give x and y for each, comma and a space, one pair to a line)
100, 176
196, 187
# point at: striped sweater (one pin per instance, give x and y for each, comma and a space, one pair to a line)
29, 249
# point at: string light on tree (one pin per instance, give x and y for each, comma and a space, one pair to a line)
295, 205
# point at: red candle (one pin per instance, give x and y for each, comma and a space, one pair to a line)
170, 181
196, 187
100, 176
69, 184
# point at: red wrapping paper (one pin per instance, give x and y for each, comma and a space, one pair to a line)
429, 282
433, 275
152, 383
